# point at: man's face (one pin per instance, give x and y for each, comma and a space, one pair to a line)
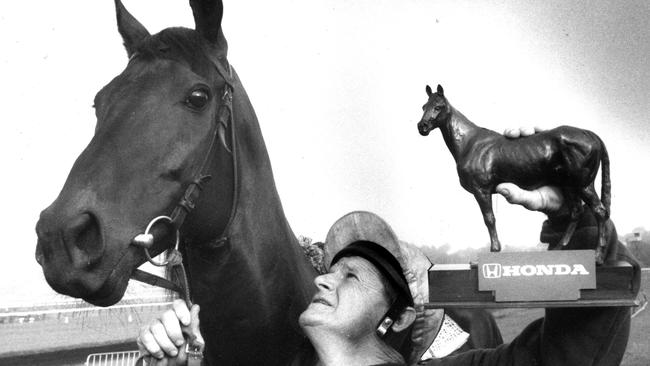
350, 301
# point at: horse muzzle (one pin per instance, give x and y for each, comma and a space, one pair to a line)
424, 128
71, 252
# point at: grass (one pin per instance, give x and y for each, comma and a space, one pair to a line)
64, 332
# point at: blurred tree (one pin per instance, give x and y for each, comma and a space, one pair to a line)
313, 251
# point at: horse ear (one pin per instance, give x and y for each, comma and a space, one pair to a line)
429, 92
440, 90
207, 21
130, 29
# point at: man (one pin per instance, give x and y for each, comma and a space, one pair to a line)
365, 310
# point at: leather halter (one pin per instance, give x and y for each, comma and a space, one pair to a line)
187, 203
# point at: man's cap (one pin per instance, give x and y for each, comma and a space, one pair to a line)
384, 261
363, 226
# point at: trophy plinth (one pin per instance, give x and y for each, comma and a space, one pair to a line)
567, 278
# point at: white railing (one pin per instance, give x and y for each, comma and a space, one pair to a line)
642, 305
126, 358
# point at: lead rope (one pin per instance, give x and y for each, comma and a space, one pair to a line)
193, 346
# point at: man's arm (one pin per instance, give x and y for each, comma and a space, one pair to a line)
587, 336
565, 336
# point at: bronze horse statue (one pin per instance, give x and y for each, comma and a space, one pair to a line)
176, 132
566, 157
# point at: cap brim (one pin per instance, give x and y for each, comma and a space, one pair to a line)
356, 226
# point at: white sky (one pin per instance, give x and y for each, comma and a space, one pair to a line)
338, 86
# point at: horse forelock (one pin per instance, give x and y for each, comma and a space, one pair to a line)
182, 45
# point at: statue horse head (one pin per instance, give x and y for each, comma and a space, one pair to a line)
175, 116
436, 111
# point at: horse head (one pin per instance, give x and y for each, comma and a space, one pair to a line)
156, 129
436, 111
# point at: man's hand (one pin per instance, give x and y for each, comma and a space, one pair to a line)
514, 133
547, 199
163, 337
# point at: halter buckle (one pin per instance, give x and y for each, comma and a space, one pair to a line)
227, 95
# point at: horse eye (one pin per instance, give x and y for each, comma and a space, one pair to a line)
437, 108
198, 98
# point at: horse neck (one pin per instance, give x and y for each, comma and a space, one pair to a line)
254, 286
258, 202
457, 132
263, 252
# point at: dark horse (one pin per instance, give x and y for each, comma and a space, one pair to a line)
176, 110
155, 125
566, 157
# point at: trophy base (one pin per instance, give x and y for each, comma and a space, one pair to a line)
457, 286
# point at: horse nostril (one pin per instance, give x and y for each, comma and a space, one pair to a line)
84, 241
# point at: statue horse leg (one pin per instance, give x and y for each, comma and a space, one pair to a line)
484, 199
590, 197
